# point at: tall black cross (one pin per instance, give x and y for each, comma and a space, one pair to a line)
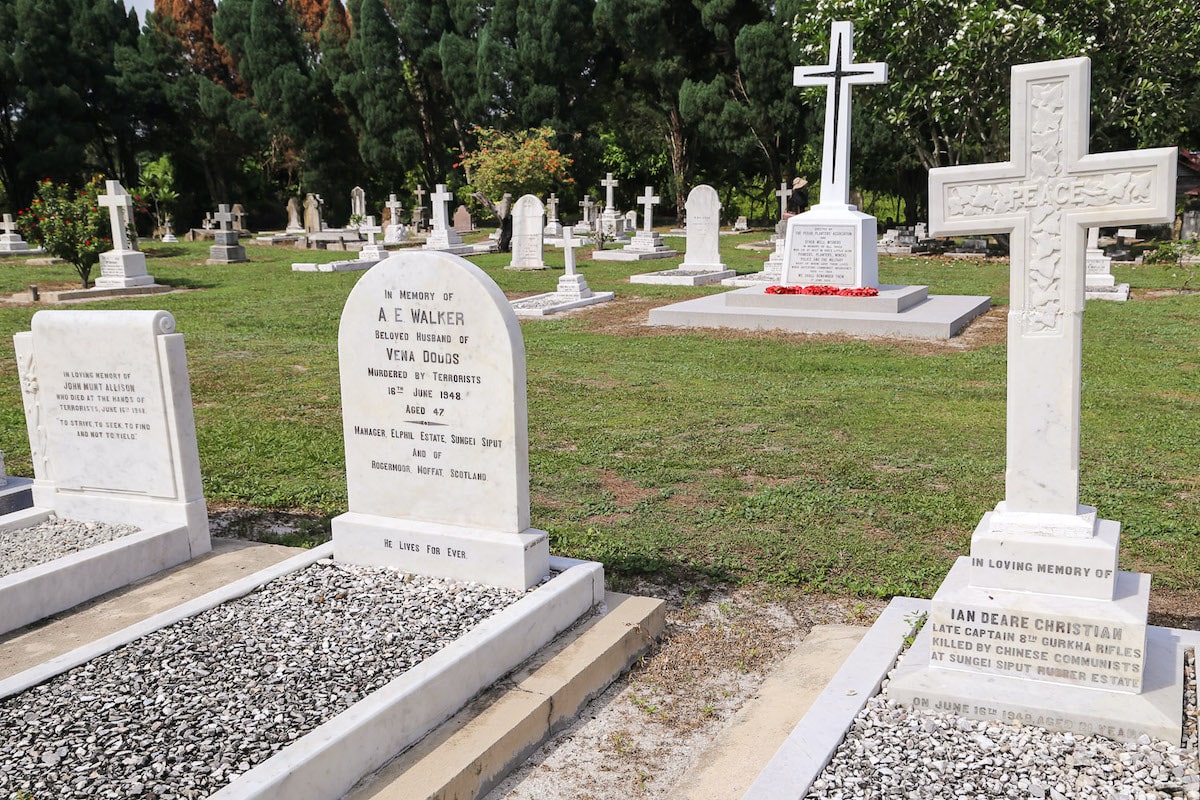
837, 77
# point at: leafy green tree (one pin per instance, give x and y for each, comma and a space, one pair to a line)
158, 187
519, 163
68, 224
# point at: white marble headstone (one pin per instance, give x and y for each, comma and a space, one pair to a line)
124, 266
528, 214
109, 413
703, 229
434, 416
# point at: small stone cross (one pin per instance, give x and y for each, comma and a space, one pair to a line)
569, 243
10, 227
440, 199
552, 206
120, 208
609, 184
587, 204
223, 217
421, 196
783, 193
838, 76
369, 227
393, 206
1045, 197
648, 201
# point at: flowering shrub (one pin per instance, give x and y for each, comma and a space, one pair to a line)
522, 162
68, 224
865, 291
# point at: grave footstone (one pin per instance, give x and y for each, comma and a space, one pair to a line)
527, 217
109, 416
833, 244
1099, 283
1038, 624
434, 415
124, 266
225, 249
10, 240
442, 236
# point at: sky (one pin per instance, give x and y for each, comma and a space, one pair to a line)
140, 6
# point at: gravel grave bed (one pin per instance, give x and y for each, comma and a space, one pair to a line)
53, 538
184, 710
894, 752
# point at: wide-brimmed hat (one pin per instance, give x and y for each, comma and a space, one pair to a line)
799, 183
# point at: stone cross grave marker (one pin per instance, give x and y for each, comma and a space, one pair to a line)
552, 206
569, 243
442, 236
440, 199
838, 76
434, 414
10, 227
224, 217
1042, 578
648, 201
419, 211
394, 208
587, 204
783, 193
1046, 197
225, 248
10, 240
120, 211
610, 183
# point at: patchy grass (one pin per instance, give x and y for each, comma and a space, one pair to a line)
834, 464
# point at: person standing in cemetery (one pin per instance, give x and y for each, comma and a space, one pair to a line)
798, 200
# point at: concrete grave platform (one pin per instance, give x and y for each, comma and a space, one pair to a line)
625, 254
897, 311
683, 277
540, 305
330, 760
807, 750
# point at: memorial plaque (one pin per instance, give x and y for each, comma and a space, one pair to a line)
824, 255
434, 418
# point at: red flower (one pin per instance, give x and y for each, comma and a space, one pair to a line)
824, 291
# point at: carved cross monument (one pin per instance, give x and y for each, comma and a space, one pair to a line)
1046, 196
224, 217
648, 201
838, 76
783, 193
120, 210
609, 184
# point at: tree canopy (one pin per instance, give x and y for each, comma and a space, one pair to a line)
256, 101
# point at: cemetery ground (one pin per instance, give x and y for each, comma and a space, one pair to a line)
762, 482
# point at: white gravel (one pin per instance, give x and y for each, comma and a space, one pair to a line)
54, 538
896, 752
184, 710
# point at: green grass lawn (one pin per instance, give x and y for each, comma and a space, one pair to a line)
836, 464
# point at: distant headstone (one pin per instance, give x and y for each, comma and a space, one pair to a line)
442, 236
295, 224
418, 213
703, 230
1038, 624
554, 227
646, 244
312, 214
168, 236
225, 249
527, 217
833, 244
371, 251
239, 217
358, 205
434, 417
611, 221
587, 204
395, 232
741, 224
1098, 281
123, 266
1190, 227
10, 240
462, 220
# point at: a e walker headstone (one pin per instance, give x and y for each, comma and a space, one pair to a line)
124, 266
10, 240
1037, 624
442, 236
225, 249
108, 410
527, 218
833, 244
434, 415
1099, 283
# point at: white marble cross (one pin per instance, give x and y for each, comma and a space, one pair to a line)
393, 206
10, 227
587, 204
569, 243
120, 209
838, 76
783, 193
441, 206
369, 227
552, 206
223, 217
421, 196
648, 200
1046, 196
609, 184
